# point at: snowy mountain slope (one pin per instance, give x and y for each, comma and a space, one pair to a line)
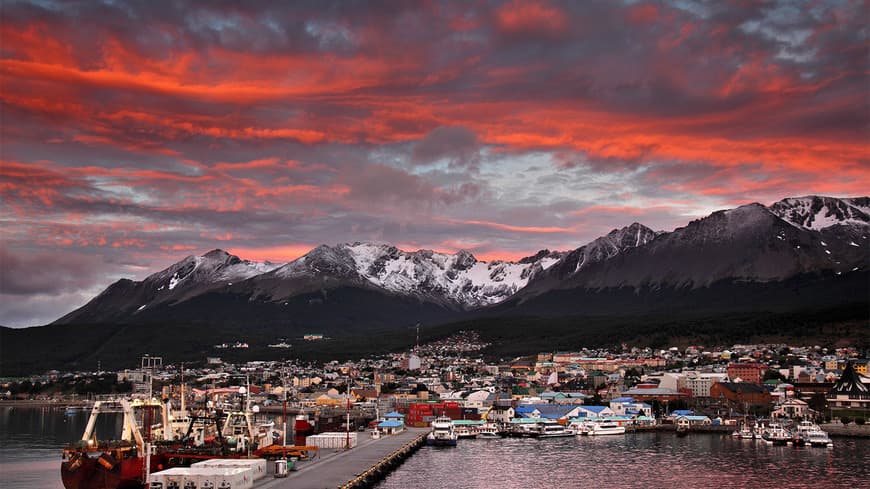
215, 268
458, 280
601, 249
190, 277
817, 213
749, 244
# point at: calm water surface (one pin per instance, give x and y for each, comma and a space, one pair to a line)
643, 460
31, 441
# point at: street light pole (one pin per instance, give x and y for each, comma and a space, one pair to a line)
284, 443
347, 412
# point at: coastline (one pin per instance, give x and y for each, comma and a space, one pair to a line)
851, 430
43, 403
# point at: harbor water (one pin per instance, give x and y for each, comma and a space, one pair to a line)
642, 460
31, 440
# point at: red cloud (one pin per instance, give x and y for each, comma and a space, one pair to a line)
531, 17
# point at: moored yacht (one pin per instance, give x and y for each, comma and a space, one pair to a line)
605, 428
551, 430
744, 433
776, 434
488, 431
813, 435
465, 432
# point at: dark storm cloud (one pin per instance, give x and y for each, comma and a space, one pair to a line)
26, 273
457, 145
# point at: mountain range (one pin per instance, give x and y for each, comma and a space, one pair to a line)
798, 252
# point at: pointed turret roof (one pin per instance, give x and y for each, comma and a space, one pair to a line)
850, 384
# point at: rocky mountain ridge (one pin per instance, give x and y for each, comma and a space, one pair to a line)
751, 243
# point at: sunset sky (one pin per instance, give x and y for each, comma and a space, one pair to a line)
136, 133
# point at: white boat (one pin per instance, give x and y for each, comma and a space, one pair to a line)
819, 439
488, 431
744, 433
551, 430
813, 435
443, 433
776, 434
465, 432
605, 428
580, 427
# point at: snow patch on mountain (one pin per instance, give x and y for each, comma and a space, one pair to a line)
216, 266
459, 277
817, 213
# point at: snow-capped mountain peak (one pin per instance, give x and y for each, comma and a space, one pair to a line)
817, 212
459, 279
217, 267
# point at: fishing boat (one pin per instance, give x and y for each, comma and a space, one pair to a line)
443, 433
152, 440
93, 464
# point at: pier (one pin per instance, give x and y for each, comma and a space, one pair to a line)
356, 468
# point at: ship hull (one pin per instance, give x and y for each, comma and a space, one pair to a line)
84, 472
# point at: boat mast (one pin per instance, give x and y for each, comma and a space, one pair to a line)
92, 421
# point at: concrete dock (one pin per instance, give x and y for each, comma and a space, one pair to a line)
338, 468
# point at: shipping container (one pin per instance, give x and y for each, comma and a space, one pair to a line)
257, 465
332, 440
205, 477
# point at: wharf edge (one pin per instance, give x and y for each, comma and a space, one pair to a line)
360, 467
387, 464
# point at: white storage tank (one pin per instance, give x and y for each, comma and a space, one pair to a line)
336, 440
202, 478
257, 465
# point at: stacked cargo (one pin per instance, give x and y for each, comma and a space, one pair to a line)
256, 465
421, 414
332, 440
202, 477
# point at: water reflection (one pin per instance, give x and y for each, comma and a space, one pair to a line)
634, 460
31, 440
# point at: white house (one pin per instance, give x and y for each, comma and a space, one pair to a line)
594, 411
627, 406
687, 420
791, 408
499, 414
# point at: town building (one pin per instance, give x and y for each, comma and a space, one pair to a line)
740, 395
652, 392
850, 396
751, 372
